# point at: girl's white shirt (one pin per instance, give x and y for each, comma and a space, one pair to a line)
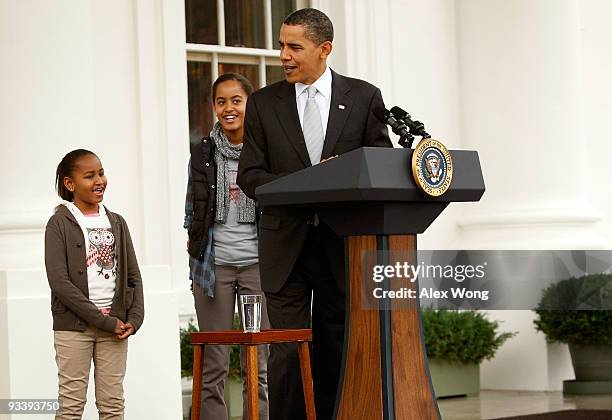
100, 254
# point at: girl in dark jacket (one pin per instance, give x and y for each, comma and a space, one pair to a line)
222, 245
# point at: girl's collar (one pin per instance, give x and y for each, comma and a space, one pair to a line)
77, 212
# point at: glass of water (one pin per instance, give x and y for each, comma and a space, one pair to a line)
251, 312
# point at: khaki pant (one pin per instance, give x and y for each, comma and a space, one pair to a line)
218, 314
74, 352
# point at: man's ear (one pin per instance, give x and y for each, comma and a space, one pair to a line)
326, 49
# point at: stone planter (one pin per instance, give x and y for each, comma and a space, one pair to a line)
454, 379
233, 398
593, 370
186, 386
232, 395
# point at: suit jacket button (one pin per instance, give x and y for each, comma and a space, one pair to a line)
81, 271
212, 186
207, 164
78, 245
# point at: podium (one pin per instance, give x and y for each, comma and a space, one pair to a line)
369, 197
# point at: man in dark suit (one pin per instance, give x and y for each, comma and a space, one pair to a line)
313, 115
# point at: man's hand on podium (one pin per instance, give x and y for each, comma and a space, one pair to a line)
329, 158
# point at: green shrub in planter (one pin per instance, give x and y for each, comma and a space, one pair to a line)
187, 349
585, 325
577, 324
461, 336
234, 364
187, 352
456, 343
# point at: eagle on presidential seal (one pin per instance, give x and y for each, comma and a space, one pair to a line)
432, 166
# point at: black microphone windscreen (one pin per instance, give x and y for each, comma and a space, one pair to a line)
398, 112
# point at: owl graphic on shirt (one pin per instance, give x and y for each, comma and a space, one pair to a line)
101, 250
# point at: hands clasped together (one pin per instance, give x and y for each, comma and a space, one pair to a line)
123, 330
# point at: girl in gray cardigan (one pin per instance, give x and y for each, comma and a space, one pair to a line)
96, 288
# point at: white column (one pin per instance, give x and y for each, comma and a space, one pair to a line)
596, 62
87, 75
522, 107
362, 32
47, 109
408, 49
176, 145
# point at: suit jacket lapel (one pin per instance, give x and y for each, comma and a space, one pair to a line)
286, 110
339, 110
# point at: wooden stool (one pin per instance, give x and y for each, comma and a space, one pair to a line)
251, 341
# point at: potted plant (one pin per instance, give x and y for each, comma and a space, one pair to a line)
233, 384
574, 311
456, 343
187, 366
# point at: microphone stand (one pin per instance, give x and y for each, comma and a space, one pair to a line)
416, 128
406, 141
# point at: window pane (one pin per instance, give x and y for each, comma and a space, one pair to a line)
249, 71
280, 10
274, 74
200, 103
244, 23
201, 21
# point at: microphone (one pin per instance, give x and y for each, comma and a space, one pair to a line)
416, 127
397, 126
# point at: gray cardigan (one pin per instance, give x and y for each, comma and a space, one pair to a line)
65, 262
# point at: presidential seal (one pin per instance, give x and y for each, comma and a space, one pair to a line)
432, 167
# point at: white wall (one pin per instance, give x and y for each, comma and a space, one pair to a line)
524, 107
66, 84
524, 82
408, 49
596, 67
27, 357
101, 75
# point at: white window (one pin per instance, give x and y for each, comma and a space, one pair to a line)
230, 36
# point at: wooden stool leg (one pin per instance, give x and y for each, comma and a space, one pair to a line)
307, 380
252, 372
198, 370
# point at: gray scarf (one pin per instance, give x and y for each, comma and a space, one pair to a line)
224, 151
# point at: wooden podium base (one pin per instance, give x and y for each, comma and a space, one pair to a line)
384, 368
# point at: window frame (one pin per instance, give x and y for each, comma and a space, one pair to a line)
220, 53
